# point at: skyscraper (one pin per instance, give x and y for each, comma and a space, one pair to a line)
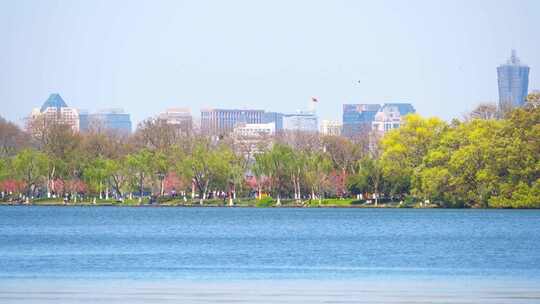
223, 121
513, 79
115, 120
357, 118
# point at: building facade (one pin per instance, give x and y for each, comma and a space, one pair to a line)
251, 139
222, 121
358, 118
513, 81
53, 111
255, 130
276, 118
115, 120
390, 116
331, 127
301, 121
180, 118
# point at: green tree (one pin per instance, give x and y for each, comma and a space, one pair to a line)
522, 195
160, 165
118, 175
208, 166
4, 165
275, 164
31, 167
235, 174
405, 148
96, 175
61, 144
368, 179
517, 165
297, 163
139, 166
318, 166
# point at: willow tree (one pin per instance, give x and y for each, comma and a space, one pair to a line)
275, 164
208, 165
160, 166
96, 175
118, 175
31, 167
139, 166
235, 175
317, 169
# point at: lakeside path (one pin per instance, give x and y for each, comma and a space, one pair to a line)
379, 291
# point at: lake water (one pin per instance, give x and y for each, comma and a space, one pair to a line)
474, 250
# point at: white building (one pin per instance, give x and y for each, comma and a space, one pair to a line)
251, 139
180, 117
388, 118
305, 121
54, 111
255, 130
331, 127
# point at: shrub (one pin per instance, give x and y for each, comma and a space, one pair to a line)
265, 202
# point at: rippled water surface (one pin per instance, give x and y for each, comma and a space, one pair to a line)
216, 244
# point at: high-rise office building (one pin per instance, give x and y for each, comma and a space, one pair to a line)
84, 120
53, 111
305, 121
223, 121
180, 118
513, 79
357, 118
115, 120
276, 118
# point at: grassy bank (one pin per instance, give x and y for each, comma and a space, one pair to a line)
242, 202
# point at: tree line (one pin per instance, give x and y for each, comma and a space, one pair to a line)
482, 161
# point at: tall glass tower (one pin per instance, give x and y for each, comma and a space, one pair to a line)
513, 80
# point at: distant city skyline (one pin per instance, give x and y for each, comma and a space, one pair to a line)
146, 57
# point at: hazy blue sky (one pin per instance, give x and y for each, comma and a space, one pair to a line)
145, 56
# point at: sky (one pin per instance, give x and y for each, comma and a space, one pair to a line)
147, 56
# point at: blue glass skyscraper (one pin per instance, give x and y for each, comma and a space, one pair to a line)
357, 119
513, 78
115, 120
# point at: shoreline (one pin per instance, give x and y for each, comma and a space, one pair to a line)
204, 206
60, 204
